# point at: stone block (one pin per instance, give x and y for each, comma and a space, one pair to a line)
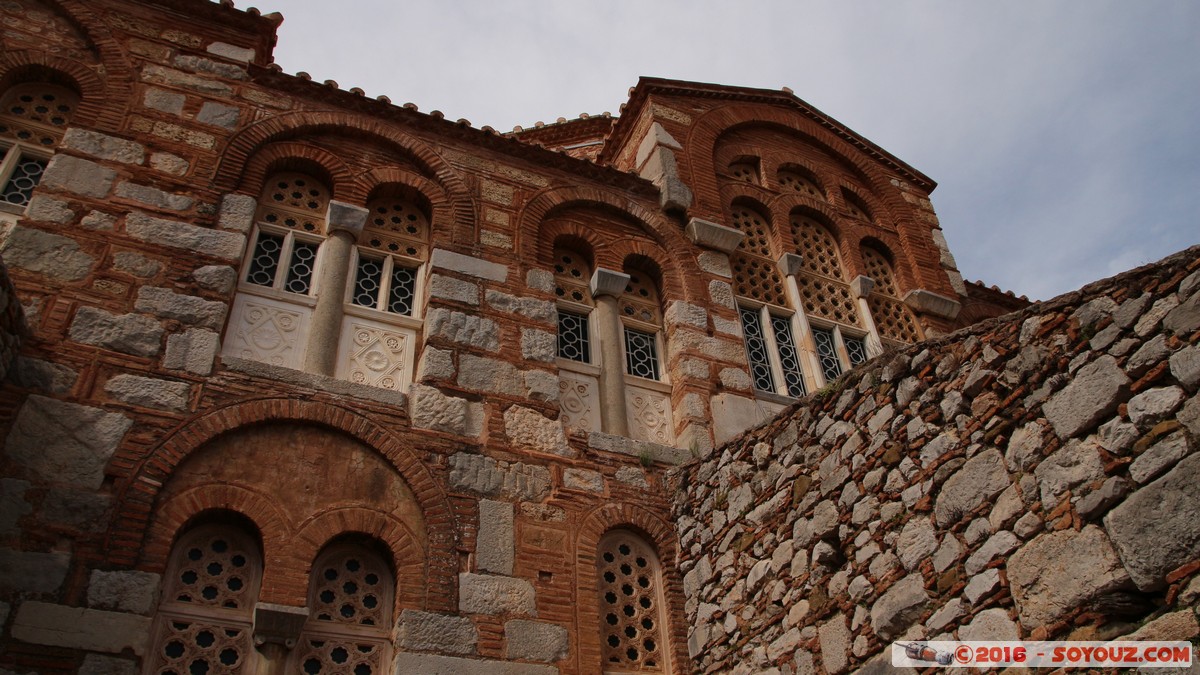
1157, 528
52, 255
918, 540
436, 364
78, 176
992, 625
457, 290
104, 146
998, 545
13, 504
635, 448
928, 302
217, 278
1185, 367
153, 197
1094, 394
979, 480
536, 641
102, 222
686, 314
538, 345
542, 311
167, 304
529, 430
479, 373
175, 234
733, 415
494, 543
428, 632
95, 664
49, 209
711, 235
149, 392
433, 664
583, 479
65, 442
835, 644
1154, 405
42, 623
1048, 577
1158, 458
540, 385
44, 376
83, 510
631, 475
170, 102
200, 64
715, 262
237, 212
175, 78
491, 478
231, 52
32, 572
1076, 464
168, 163
192, 350
899, 607
734, 378
219, 115
123, 591
463, 329
721, 294
431, 409
136, 264
1181, 625
541, 280
492, 595
468, 265
1184, 319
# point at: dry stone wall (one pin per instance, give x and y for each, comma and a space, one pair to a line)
1033, 477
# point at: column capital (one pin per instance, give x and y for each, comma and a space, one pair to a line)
790, 264
711, 235
861, 286
343, 217
608, 282
278, 624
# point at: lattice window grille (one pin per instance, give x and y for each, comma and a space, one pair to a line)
789, 358
856, 349
892, 319
755, 226
758, 279
880, 271
817, 248
397, 226
641, 354
295, 201
640, 300
756, 349
795, 181
36, 113
572, 274
855, 206
631, 605
203, 624
350, 615
827, 299
280, 260
21, 179
574, 342
384, 284
745, 170
831, 365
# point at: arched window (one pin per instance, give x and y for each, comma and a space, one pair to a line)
795, 179
579, 397
632, 605
350, 594
204, 620
745, 169
647, 398
856, 207
755, 272
33, 118
892, 319
290, 223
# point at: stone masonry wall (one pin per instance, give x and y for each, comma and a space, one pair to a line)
1032, 477
12, 322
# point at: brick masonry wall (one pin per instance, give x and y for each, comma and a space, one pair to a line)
12, 322
1032, 477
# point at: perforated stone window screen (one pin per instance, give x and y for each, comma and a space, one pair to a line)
350, 614
36, 113
758, 279
632, 607
827, 299
892, 319
209, 591
745, 170
880, 271
640, 299
572, 274
574, 342
641, 354
817, 247
399, 226
794, 180
294, 200
756, 227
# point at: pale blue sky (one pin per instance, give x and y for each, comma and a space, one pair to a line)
1064, 135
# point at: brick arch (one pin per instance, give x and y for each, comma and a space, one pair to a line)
440, 205
889, 245
92, 90
819, 174
108, 110
790, 205
263, 163
409, 559
866, 197
705, 134
677, 265
135, 497
661, 536
243, 145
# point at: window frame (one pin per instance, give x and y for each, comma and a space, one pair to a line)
13, 151
276, 290
774, 359
390, 261
839, 332
628, 323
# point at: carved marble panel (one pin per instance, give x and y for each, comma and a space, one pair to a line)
579, 399
268, 331
375, 353
649, 415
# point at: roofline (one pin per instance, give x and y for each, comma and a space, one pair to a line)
640, 93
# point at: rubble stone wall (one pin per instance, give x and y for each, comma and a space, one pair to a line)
1032, 477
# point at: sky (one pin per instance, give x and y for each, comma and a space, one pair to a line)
1064, 135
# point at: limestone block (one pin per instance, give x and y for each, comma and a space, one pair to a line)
53, 255
542, 280
999, 544
83, 510
208, 66
486, 594
136, 264
1154, 405
541, 385
95, 664
529, 430
715, 262
104, 146
686, 314
1185, 367
635, 448
463, 329
899, 607
65, 442
176, 234
123, 591
192, 350
928, 302
457, 290
237, 212
488, 375
495, 239
1157, 528
494, 544
634, 476
542, 311
734, 378
432, 664
95, 220
31, 572
535, 641
1184, 319
721, 294
583, 479
42, 623
538, 345
12, 504
425, 631
1180, 625
470, 266
917, 541
711, 235
231, 52
44, 376
436, 364
219, 114
992, 625
1024, 447
490, 478
979, 480
431, 409
78, 176
165, 303
175, 78
835, 644
149, 392
51, 210
153, 197
1094, 394
1076, 464
1158, 458
949, 613
1048, 577
164, 101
